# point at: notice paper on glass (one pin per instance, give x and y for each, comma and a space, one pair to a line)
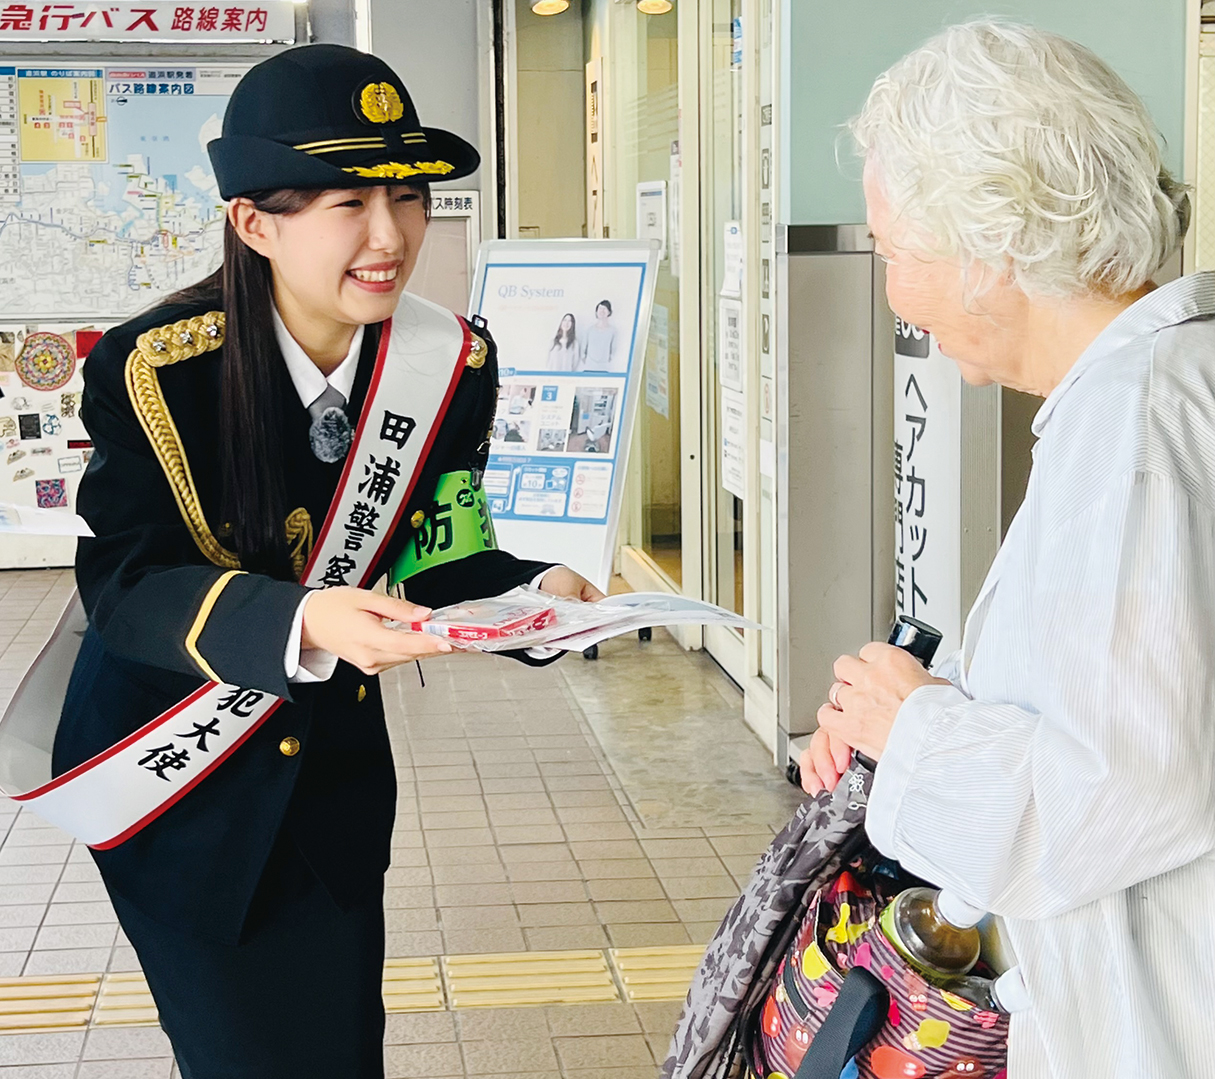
729, 333
731, 281
529, 618
652, 213
734, 443
657, 365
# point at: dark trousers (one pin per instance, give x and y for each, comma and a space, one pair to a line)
298, 998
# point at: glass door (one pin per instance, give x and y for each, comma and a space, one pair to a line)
723, 329
643, 174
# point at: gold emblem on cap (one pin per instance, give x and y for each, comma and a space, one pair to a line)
381, 103
394, 170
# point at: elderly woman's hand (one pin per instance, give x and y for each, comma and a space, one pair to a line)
867, 694
823, 762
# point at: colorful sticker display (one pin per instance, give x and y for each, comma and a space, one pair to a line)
47, 361
50, 494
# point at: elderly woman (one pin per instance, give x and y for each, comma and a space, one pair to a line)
1062, 774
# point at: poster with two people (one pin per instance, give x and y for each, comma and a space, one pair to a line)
570, 319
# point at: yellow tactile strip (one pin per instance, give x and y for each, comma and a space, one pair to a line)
47, 1003
426, 983
515, 978
413, 985
125, 1000
656, 973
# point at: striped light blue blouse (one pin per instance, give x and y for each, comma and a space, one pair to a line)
1066, 780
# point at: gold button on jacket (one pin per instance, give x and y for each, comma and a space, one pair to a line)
289, 747
418, 519
362, 694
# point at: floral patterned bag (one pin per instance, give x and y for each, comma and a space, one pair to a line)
925, 1032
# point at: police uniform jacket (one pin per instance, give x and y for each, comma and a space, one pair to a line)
159, 627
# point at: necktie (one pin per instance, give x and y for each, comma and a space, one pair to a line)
330, 434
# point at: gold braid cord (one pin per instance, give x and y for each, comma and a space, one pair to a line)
300, 537
478, 352
158, 348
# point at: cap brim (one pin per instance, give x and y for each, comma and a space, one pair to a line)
247, 163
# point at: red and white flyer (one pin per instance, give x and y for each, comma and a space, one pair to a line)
528, 618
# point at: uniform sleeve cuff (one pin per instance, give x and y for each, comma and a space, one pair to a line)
306, 664
896, 768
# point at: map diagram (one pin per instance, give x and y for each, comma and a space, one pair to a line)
107, 198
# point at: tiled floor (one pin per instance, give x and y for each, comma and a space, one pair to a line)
586, 805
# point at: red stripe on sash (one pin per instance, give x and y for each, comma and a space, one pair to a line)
186, 788
118, 747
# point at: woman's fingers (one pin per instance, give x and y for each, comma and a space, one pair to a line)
818, 765
848, 669
397, 610
811, 783
841, 753
394, 644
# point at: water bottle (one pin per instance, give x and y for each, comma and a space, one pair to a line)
934, 931
1005, 995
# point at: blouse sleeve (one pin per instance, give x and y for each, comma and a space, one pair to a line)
1106, 777
148, 590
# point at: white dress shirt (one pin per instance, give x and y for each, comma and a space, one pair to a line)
1067, 780
315, 664
312, 664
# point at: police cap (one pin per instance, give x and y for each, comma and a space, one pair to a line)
329, 116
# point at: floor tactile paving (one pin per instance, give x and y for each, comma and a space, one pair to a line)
51, 1002
657, 973
125, 1000
519, 978
413, 985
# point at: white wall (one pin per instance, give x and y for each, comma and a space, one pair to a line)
551, 116
434, 46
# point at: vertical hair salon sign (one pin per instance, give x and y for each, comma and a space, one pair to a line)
928, 484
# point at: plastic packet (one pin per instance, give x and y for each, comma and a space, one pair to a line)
526, 617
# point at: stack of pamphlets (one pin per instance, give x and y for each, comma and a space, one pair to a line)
528, 618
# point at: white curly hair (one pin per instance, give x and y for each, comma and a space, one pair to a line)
1021, 151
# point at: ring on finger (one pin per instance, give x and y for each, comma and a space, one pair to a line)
833, 695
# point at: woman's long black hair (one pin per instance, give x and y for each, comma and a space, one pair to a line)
562, 339
254, 494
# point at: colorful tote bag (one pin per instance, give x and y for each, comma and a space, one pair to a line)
925, 1033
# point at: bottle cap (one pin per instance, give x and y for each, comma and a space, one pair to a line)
957, 912
1009, 992
916, 637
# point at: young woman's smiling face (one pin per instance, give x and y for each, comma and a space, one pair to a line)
346, 257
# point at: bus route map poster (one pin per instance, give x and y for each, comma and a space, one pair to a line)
107, 199
107, 204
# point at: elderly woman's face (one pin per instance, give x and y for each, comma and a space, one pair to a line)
931, 293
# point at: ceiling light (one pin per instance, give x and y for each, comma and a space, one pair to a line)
549, 7
654, 7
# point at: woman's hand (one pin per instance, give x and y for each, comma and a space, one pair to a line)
868, 692
563, 581
823, 762
348, 623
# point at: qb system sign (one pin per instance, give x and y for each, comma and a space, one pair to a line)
571, 320
191, 22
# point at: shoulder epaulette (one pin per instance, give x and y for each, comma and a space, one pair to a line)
181, 340
160, 347
478, 351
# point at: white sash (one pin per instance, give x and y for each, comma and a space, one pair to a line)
111, 796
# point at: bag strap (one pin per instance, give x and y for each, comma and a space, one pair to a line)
855, 1017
